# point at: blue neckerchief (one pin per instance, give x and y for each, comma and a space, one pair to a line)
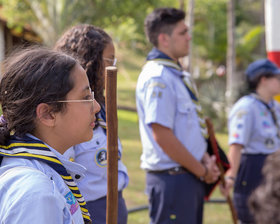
193, 96
101, 118
29, 148
156, 54
103, 113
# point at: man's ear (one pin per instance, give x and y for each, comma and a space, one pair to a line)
45, 114
163, 39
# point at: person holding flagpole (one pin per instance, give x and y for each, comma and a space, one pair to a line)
254, 133
172, 126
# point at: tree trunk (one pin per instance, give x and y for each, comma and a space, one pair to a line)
232, 78
187, 61
262, 48
182, 4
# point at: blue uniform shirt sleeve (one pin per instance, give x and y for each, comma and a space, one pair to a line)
240, 126
159, 103
29, 196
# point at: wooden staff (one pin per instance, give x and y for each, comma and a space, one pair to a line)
219, 164
112, 144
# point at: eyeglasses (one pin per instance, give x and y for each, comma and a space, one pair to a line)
113, 62
77, 101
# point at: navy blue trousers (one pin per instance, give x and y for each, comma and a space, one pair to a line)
175, 198
248, 178
97, 210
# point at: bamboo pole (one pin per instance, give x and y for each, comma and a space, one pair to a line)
112, 144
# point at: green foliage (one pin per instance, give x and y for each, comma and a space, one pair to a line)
49, 18
209, 31
9, 7
247, 44
210, 46
126, 18
212, 99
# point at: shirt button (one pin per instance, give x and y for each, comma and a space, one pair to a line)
71, 159
77, 176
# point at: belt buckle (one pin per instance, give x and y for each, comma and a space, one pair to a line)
175, 170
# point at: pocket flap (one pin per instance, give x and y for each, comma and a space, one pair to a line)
185, 107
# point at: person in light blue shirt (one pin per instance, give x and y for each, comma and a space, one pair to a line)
37, 179
172, 127
254, 133
48, 107
95, 52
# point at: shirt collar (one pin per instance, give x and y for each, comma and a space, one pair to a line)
72, 167
156, 54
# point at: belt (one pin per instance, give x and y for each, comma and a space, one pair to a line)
171, 171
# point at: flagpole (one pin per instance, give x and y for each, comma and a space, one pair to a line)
214, 145
112, 144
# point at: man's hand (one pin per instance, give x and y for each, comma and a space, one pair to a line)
212, 170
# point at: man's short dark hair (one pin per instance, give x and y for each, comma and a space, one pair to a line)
162, 20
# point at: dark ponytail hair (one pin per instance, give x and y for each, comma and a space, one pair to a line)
87, 43
32, 76
254, 82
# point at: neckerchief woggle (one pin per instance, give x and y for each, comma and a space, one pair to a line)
162, 59
29, 148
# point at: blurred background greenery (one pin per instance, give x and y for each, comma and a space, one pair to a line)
124, 21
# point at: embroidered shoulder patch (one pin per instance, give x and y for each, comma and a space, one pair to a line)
239, 114
71, 200
154, 84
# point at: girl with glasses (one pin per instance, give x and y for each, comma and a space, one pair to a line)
95, 50
47, 107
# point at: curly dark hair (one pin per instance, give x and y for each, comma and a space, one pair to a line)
87, 43
32, 76
264, 202
162, 20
